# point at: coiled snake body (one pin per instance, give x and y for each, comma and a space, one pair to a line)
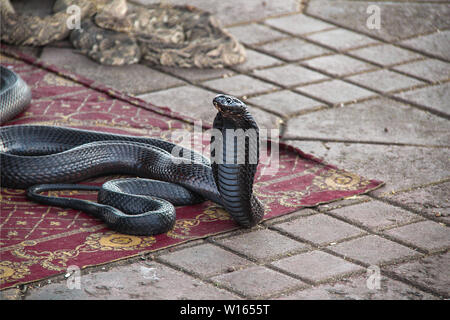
43, 158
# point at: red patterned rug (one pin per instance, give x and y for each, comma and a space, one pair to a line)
38, 241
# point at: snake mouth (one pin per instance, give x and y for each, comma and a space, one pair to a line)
217, 106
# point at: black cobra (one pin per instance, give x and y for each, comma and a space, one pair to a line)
44, 158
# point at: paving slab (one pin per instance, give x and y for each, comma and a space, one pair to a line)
205, 260
384, 162
341, 39
240, 85
196, 74
257, 281
10, 294
285, 102
181, 99
384, 81
376, 120
357, 288
376, 215
335, 92
432, 201
298, 24
373, 250
398, 20
437, 44
317, 266
319, 229
265, 120
254, 33
426, 235
290, 216
293, 49
289, 75
147, 280
257, 60
430, 69
385, 54
262, 245
235, 11
339, 65
343, 203
435, 97
430, 272
134, 79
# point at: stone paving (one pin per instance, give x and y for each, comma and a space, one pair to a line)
372, 101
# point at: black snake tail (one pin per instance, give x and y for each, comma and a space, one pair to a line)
144, 215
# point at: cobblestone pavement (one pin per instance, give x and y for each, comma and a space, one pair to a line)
372, 101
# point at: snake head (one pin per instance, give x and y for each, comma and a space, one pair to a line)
229, 106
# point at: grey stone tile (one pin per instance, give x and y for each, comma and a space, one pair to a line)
289, 216
431, 272
257, 60
341, 39
384, 162
285, 102
399, 19
344, 202
236, 11
436, 44
298, 24
195, 74
192, 101
426, 235
138, 281
384, 80
289, 75
319, 229
385, 54
376, 215
257, 281
339, 65
205, 260
336, 92
262, 244
255, 33
434, 97
380, 120
432, 201
135, 79
357, 288
317, 266
293, 49
265, 120
373, 250
429, 69
240, 85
